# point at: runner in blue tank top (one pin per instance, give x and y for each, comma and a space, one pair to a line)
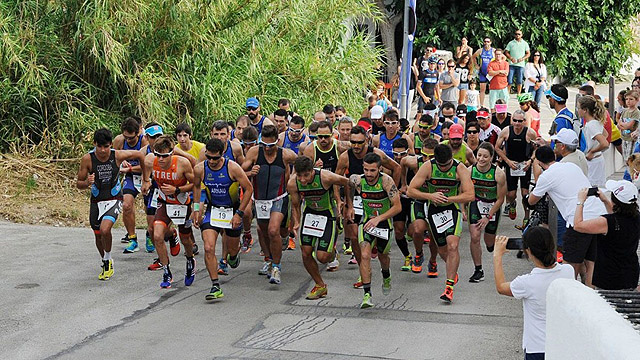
483, 57
294, 136
253, 111
384, 141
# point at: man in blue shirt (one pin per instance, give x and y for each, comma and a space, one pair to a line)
557, 97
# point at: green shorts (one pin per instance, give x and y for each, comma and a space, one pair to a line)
383, 246
444, 221
326, 241
473, 214
418, 211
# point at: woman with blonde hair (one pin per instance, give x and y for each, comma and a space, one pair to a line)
593, 113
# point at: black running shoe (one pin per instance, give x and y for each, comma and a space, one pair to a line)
477, 276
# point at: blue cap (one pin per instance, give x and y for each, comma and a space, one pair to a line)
555, 97
154, 130
253, 102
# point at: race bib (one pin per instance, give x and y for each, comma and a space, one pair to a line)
221, 217
177, 213
484, 208
357, 205
154, 199
104, 206
519, 169
137, 182
263, 209
442, 220
314, 225
379, 233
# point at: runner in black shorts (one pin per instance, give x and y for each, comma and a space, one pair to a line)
484, 212
402, 221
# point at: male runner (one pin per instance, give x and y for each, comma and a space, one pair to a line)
380, 203
384, 140
403, 219
445, 183
221, 178
314, 187
294, 135
255, 118
461, 152
423, 133
99, 170
490, 187
174, 176
250, 139
271, 199
237, 134
281, 120
326, 149
131, 139
345, 125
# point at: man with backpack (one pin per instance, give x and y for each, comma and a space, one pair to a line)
557, 97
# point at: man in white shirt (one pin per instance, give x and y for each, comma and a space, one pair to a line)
562, 181
566, 147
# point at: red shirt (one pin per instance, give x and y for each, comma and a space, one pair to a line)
498, 82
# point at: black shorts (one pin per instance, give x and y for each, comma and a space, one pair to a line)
151, 200
473, 215
577, 247
110, 212
128, 185
327, 240
617, 142
418, 211
452, 227
405, 214
206, 224
163, 218
512, 181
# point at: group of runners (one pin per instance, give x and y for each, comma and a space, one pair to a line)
304, 186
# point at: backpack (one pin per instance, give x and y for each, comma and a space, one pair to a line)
576, 125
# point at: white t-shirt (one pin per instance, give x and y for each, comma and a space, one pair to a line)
591, 129
562, 181
532, 289
472, 97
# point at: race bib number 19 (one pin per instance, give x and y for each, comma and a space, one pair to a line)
379, 233
104, 206
221, 217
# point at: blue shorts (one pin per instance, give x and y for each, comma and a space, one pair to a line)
482, 77
515, 73
128, 187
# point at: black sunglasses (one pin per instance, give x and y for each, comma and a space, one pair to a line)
324, 136
214, 158
251, 108
451, 66
130, 137
357, 142
518, 121
472, 131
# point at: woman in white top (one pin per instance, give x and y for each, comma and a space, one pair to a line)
535, 73
593, 113
538, 244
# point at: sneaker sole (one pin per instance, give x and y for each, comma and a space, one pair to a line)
476, 280
317, 297
366, 306
127, 251
432, 275
213, 297
446, 299
275, 282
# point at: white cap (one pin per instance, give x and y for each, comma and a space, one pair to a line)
623, 190
376, 112
566, 136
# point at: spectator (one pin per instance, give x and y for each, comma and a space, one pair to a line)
464, 69
498, 70
622, 104
463, 48
618, 231
532, 288
449, 81
517, 51
628, 123
488, 131
635, 84
413, 80
535, 73
445, 131
372, 99
483, 57
441, 65
532, 111
501, 117
427, 86
423, 61
593, 113
472, 96
377, 123
579, 248
567, 148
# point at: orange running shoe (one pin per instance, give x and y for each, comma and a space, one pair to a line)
447, 295
292, 243
416, 265
432, 270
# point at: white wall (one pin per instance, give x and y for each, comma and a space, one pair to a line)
581, 325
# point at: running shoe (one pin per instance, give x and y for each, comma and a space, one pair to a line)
386, 286
190, 273
133, 247
167, 279
292, 242
101, 276
334, 265
427, 239
174, 244
455, 280
108, 269
525, 222
285, 242
512, 212
366, 301
196, 250
477, 276
155, 265
432, 269
275, 276
407, 263
150, 247
559, 257
223, 269
317, 292
353, 260
346, 247
214, 293
447, 295
358, 284
233, 263
247, 242
125, 239
374, 252
264, 270
416, 266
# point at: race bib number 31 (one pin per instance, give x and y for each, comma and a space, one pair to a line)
442, 220
177, 213
314, 225
221, 217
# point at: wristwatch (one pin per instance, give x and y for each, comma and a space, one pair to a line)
177, 192
580, 203
240, 212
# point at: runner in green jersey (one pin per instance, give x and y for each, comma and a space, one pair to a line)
445, 183
314, 187
490, 188
380, 202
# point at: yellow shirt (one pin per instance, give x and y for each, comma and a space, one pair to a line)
196, 146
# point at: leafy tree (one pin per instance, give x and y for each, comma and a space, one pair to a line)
68, 67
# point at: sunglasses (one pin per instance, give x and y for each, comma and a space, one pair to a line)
214, 158
401, 153
448, 116
268, 144
248, 142
472, 131
441, 64
252, 108
161, 155
423, 126
517, 121
391, 123
536, 54
353, 142
323, 136
130, 137
313, 137
523, 103
296, 131
451, 66
429, 155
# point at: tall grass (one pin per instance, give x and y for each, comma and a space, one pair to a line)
69, 67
